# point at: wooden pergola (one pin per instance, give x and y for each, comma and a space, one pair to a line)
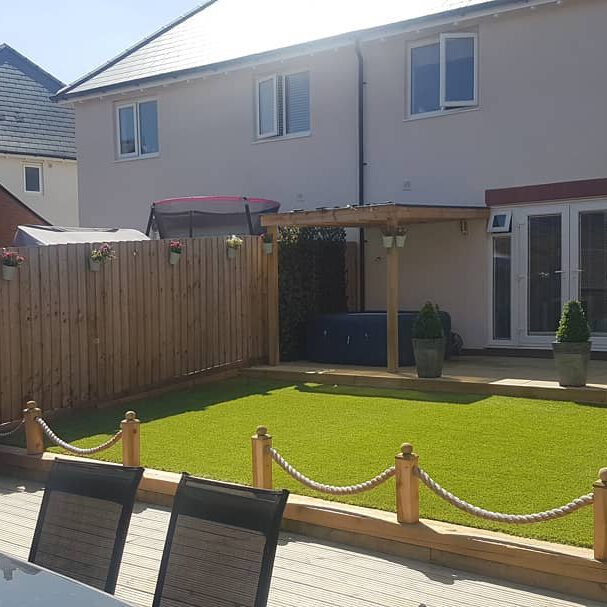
390, 217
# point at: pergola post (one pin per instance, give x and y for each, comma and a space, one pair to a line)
273, 301
392, 308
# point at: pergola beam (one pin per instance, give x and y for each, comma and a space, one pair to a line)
369, 216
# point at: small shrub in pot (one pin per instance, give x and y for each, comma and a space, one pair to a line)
572, 346
428, 342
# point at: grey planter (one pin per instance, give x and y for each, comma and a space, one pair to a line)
94, 266
571, 360
429, 356
174, 258
8, 272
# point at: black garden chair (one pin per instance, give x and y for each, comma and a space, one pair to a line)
83, 521
220, 545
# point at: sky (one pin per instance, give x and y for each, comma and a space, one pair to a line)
69, 38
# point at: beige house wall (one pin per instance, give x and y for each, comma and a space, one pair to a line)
440, 264
58, 202
541, 118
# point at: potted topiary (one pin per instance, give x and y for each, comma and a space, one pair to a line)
428, 342
572, 346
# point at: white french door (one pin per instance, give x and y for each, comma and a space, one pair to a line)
544, 277
558, 253
588, 265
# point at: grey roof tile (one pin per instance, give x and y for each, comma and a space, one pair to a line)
30, 122
221, 31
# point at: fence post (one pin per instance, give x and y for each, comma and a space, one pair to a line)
130, 439
261, 441
407, 485
600, 516
34, 437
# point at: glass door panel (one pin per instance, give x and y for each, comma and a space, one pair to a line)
544, 273
592, 268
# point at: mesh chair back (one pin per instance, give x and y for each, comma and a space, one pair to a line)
83, 521
220, 546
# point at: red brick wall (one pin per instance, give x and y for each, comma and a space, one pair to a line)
12, 214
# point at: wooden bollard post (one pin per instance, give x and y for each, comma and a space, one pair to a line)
600, 516
261, 441
407, 485
131, 450
34, 437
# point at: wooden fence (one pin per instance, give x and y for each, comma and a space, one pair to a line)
70, 337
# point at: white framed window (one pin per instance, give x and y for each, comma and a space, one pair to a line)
283, 105
500, 222
32, 178
137, 129
443, 73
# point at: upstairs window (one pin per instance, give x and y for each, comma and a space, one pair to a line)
137, 129
443, 74
283, 105
32, 178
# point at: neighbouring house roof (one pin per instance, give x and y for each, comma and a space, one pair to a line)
222, 32
30, 122
13, 213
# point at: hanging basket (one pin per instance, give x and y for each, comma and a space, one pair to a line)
267, 247
174, 258
400, 240
8, 272
94, 265
388, 241
231, 253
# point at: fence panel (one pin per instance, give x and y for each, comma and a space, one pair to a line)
70, 337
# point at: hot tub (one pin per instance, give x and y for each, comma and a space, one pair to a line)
360, 338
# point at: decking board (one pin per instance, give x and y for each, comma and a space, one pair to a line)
307, 573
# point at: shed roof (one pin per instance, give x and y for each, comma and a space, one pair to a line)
387, 214
30, 122
221, 32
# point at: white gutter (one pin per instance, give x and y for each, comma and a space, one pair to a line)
349, 38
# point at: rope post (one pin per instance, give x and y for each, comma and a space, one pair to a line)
600, 516
131, 439
34, 437
407, 485
261, 442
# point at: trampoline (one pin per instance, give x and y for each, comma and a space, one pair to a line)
209, 216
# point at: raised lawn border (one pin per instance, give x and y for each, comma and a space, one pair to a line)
555, 567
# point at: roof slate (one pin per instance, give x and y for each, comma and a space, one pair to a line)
223, 31
30, 122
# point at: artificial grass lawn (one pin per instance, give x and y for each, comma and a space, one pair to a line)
508, 454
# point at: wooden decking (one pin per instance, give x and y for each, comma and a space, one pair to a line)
502, 375
307, 573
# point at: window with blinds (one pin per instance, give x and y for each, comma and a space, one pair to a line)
283, 105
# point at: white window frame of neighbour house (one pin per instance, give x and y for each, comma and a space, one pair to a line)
137, 129
280, 107
445, 106
30, 165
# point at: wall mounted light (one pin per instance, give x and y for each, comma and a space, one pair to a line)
463, 227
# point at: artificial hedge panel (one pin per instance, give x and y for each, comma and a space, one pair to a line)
312, 279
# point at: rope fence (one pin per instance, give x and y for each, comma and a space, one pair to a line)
408, 476
37, 429
7, 433
72, 448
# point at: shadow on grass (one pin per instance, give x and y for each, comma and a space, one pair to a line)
439, 398
82, 423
